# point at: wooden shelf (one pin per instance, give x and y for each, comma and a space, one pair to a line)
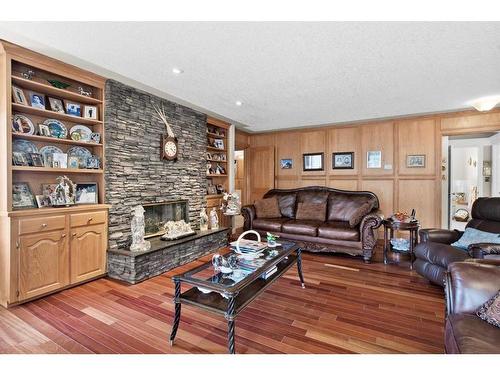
55, 170
214, 196
217, 161
53, 91
216, 175
57, 210
52, 114
216, 149
39, 138
213, 135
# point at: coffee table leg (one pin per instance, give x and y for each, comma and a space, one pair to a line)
299, 266
177, 316
230, 324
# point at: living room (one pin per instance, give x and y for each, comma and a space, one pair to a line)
250, 188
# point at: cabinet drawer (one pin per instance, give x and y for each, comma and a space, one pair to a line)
87, 218
42, 224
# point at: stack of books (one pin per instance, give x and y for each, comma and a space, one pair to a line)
268, 273
249, 246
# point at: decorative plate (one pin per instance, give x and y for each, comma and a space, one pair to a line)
22, 145
46, 150
56, 128
23, 124
81, 153
84, 132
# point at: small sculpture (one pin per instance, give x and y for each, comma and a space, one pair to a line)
271, 239
64, 193
84, 92
177, 229
137, 226
29, 74
203, 220
231, 204
214, 219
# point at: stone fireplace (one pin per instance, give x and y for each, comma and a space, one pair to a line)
156, 215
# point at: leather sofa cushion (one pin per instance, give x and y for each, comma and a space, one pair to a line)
338, 230
439, 253
467, 334
267, 208
311, 211
269, 225
311, 196
302, 227
343, 207
432, 272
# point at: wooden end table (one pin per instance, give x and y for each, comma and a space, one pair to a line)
389, 227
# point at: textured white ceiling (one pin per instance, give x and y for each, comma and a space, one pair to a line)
286, 74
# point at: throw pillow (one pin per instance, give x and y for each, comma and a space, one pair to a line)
311, 211
359, 214
472, 235
490, 311
267, 208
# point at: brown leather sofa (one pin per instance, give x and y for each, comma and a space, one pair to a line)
468, 286
332, 234
434, 253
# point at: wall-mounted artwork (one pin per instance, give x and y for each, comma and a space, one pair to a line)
343, 160
286, 163
313, 162
374, 159
415, 161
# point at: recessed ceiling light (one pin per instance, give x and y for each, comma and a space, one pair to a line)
177, 71
239, 103
486, 103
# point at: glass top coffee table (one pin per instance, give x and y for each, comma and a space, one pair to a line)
228, 294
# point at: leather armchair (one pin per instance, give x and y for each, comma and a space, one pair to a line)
469, 285
479, 250
439, 235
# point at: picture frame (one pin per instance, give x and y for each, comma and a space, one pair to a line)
90, 112
18, 95
95, 138
19, 159
219, 143
37, 100
59, 160
93, 162
286, 163
415, 161
48, 160
373, 159
343, 160
36, 159
22, 124
313, 162
22, 197
73, 162
73, 109
42, 201
56, 105
48, 189
44, 130
87, 193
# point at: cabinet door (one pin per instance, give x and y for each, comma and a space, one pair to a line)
88, 252
44, 264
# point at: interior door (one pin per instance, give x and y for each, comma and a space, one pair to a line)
88, 252
259, 165
43, 263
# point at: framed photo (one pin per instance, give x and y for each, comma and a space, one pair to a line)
59, 160
56, 105
42, 201
93, 162
86, 193
22, 124
19, 158
36, 159
44, 130
73, 109
313, 162
95, 137
343, 160
22, 197
48, 189
90, 111
18, 95
374, 159
219, 143
286, 163
415, 161
48, 160
37, 100
73, 162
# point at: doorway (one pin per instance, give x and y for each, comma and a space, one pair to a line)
471, 163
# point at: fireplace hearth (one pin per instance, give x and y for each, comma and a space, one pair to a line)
157, 215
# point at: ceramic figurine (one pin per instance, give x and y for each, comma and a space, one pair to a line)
203, 220
214, 219
137, 226
64, 192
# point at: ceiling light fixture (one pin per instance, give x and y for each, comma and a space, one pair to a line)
177, 71
239, 103
486, 103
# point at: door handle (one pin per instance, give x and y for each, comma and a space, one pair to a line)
44, 225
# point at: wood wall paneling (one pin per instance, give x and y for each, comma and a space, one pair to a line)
378, 137
260, 171
344, 140
241, 140
417, 138
467, 123
384, 189
289, 148
419, 194
343, 184
314, 142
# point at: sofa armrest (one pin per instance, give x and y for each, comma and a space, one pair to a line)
479, 250
439, 235
469, 285
248, 213
368, 227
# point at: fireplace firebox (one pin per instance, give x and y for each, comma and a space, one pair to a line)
157, 214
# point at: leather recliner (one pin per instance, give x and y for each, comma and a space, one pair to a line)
434, 253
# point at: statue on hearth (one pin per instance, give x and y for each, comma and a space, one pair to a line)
214, 219
203, 220
137, 226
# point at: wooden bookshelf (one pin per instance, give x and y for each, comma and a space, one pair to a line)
43, 250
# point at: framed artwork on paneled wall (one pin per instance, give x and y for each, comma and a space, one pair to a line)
343, 160
415, 161
313, 162
374, 159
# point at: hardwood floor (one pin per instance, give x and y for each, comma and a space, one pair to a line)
347, 307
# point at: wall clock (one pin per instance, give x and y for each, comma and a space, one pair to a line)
169, 147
